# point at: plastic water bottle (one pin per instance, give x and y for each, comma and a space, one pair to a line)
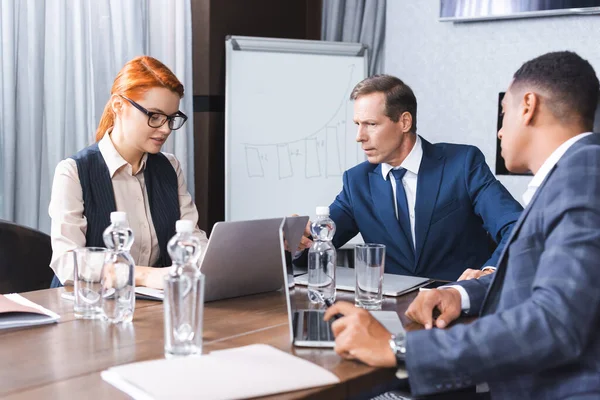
322, 259
184, 294
118, 274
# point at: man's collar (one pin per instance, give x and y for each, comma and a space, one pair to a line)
547, 166
551, 161
411, 163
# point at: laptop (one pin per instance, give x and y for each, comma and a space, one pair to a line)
393, 285
247, 257
306, 324
243, 258
226, 266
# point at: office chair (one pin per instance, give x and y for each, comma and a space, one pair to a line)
25, 255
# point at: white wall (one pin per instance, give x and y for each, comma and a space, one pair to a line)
457, 70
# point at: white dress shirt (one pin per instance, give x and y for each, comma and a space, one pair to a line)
548, 165
532, 187
411, 163
69, 225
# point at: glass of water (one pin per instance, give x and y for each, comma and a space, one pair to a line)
87, 276
369, 263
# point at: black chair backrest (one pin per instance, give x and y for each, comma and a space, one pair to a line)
24, 259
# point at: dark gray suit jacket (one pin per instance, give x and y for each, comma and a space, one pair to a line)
538, 335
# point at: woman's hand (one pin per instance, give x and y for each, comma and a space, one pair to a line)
151, 277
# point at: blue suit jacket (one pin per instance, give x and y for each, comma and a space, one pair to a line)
537, 337
458, 200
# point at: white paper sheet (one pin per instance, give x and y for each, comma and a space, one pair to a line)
243, 372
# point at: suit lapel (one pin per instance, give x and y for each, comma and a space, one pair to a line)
428, 186
383, 203
502, 262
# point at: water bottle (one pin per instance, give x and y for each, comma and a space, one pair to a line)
118, 273
322, 259
184, 294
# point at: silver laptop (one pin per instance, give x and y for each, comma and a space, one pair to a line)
247, 257
243, 258
307, 327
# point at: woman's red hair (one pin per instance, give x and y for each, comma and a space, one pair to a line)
134, 79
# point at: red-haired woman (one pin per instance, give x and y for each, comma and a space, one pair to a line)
125, 171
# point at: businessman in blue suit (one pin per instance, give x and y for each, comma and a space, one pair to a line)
432, 205
537, 332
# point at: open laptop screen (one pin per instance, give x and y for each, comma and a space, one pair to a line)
307, 328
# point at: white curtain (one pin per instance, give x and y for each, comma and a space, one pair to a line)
58, 60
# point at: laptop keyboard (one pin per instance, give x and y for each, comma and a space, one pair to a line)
311, 327
317, 328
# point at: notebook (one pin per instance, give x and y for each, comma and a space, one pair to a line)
255, 370
146, 293
16, 311
393, 285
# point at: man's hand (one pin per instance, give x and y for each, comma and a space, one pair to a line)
447, 301
306, 240
358, 335
474, 274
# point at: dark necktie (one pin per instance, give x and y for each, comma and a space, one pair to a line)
403, 215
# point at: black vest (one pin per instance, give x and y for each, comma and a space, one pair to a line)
99, 197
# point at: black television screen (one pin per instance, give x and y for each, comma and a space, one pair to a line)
475, 10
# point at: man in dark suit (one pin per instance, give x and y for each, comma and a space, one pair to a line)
432, 205
536, 336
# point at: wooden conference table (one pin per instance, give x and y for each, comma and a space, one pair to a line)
64, 360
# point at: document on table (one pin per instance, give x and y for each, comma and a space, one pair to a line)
255, 370
16, 311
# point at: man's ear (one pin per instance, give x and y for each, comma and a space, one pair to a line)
116, 104
531, 107
406, 121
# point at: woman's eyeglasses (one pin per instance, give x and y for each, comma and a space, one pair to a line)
156, 119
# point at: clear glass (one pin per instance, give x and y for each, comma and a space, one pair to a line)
118, 287
369, 264
322, 261
87, 274
118, 276
184, 306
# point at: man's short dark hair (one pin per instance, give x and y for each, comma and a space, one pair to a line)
569, 81
399, 97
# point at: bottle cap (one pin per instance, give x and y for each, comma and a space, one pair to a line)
118, 216
322, 211
184, 226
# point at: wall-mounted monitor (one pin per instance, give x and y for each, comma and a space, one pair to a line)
479, 10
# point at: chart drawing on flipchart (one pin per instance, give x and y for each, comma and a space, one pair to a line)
325, 152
